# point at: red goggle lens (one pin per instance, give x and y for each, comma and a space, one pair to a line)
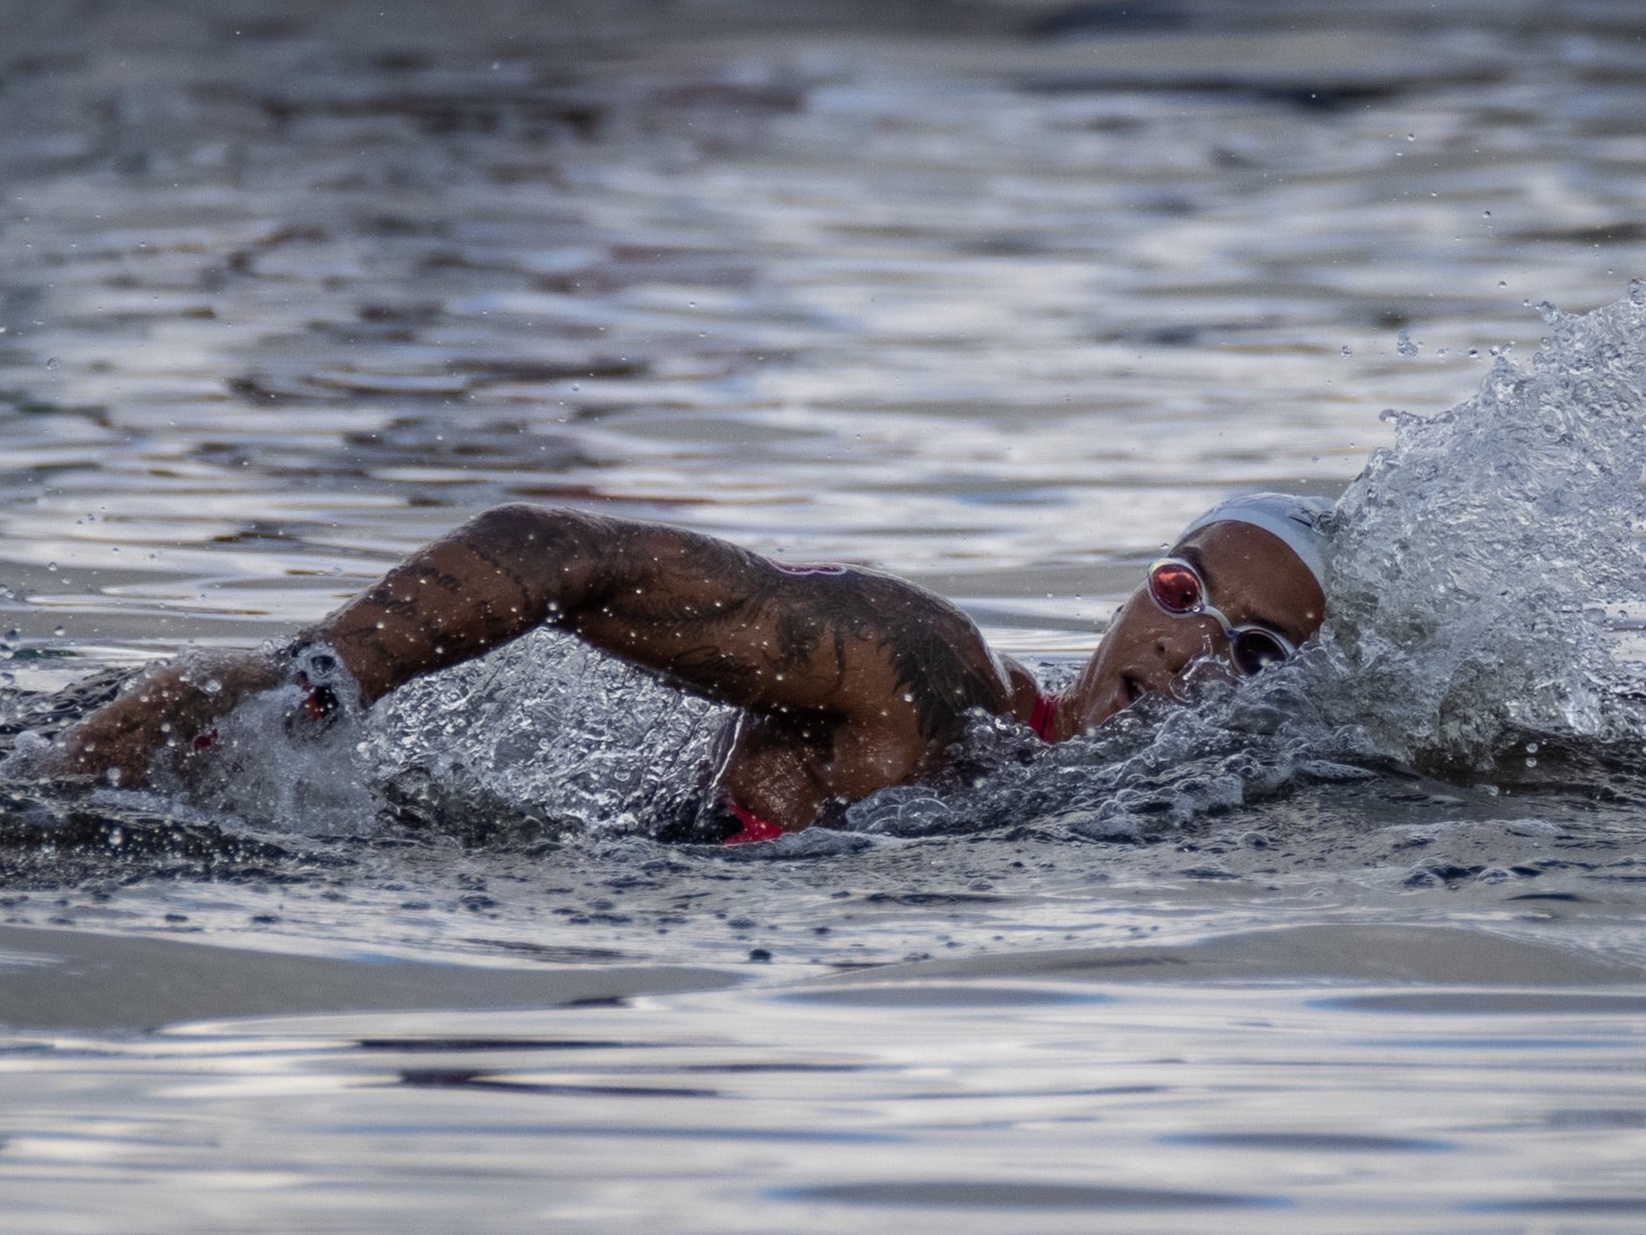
1176, 588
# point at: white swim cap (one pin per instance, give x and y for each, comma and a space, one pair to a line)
1296, 520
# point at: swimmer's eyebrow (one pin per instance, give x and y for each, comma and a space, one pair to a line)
1192, 555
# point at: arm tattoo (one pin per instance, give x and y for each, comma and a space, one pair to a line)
936, 658
703, 614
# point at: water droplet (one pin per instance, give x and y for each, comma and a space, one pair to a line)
1345, 350
1404, 344
51, 362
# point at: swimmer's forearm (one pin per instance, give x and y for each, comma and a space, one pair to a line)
500, 575
490, 581
174, 705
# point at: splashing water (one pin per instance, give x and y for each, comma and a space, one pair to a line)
550, 730
261, 769
1484, 574
1474, 562
540, 736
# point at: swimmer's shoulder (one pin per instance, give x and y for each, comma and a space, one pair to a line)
937, 655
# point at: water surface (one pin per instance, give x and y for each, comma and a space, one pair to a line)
997, 302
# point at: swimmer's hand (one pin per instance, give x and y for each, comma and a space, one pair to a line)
175, 705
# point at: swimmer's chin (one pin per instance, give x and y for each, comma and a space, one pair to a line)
1126, 689
1131, 687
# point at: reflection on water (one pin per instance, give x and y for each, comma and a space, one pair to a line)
998, 305
1026, 305
977, 1095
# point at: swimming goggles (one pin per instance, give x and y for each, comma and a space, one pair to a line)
1176, 588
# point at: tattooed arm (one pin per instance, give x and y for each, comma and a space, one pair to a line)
855, 680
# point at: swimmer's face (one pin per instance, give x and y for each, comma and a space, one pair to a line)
1250, 574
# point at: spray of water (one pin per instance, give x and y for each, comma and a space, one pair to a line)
1480, 565
1484, 581
548, 731
539, 737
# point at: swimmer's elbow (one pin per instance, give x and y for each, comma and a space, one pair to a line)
510, 524
521, 527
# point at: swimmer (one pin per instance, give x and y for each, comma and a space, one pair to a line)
848, 680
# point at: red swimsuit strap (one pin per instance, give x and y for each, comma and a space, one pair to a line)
754, 827
1043, 716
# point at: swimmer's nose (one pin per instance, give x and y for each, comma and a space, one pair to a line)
1182, 643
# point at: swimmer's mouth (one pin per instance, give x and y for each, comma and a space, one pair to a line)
1133, 688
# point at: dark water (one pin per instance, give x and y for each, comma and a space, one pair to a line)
996, 297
